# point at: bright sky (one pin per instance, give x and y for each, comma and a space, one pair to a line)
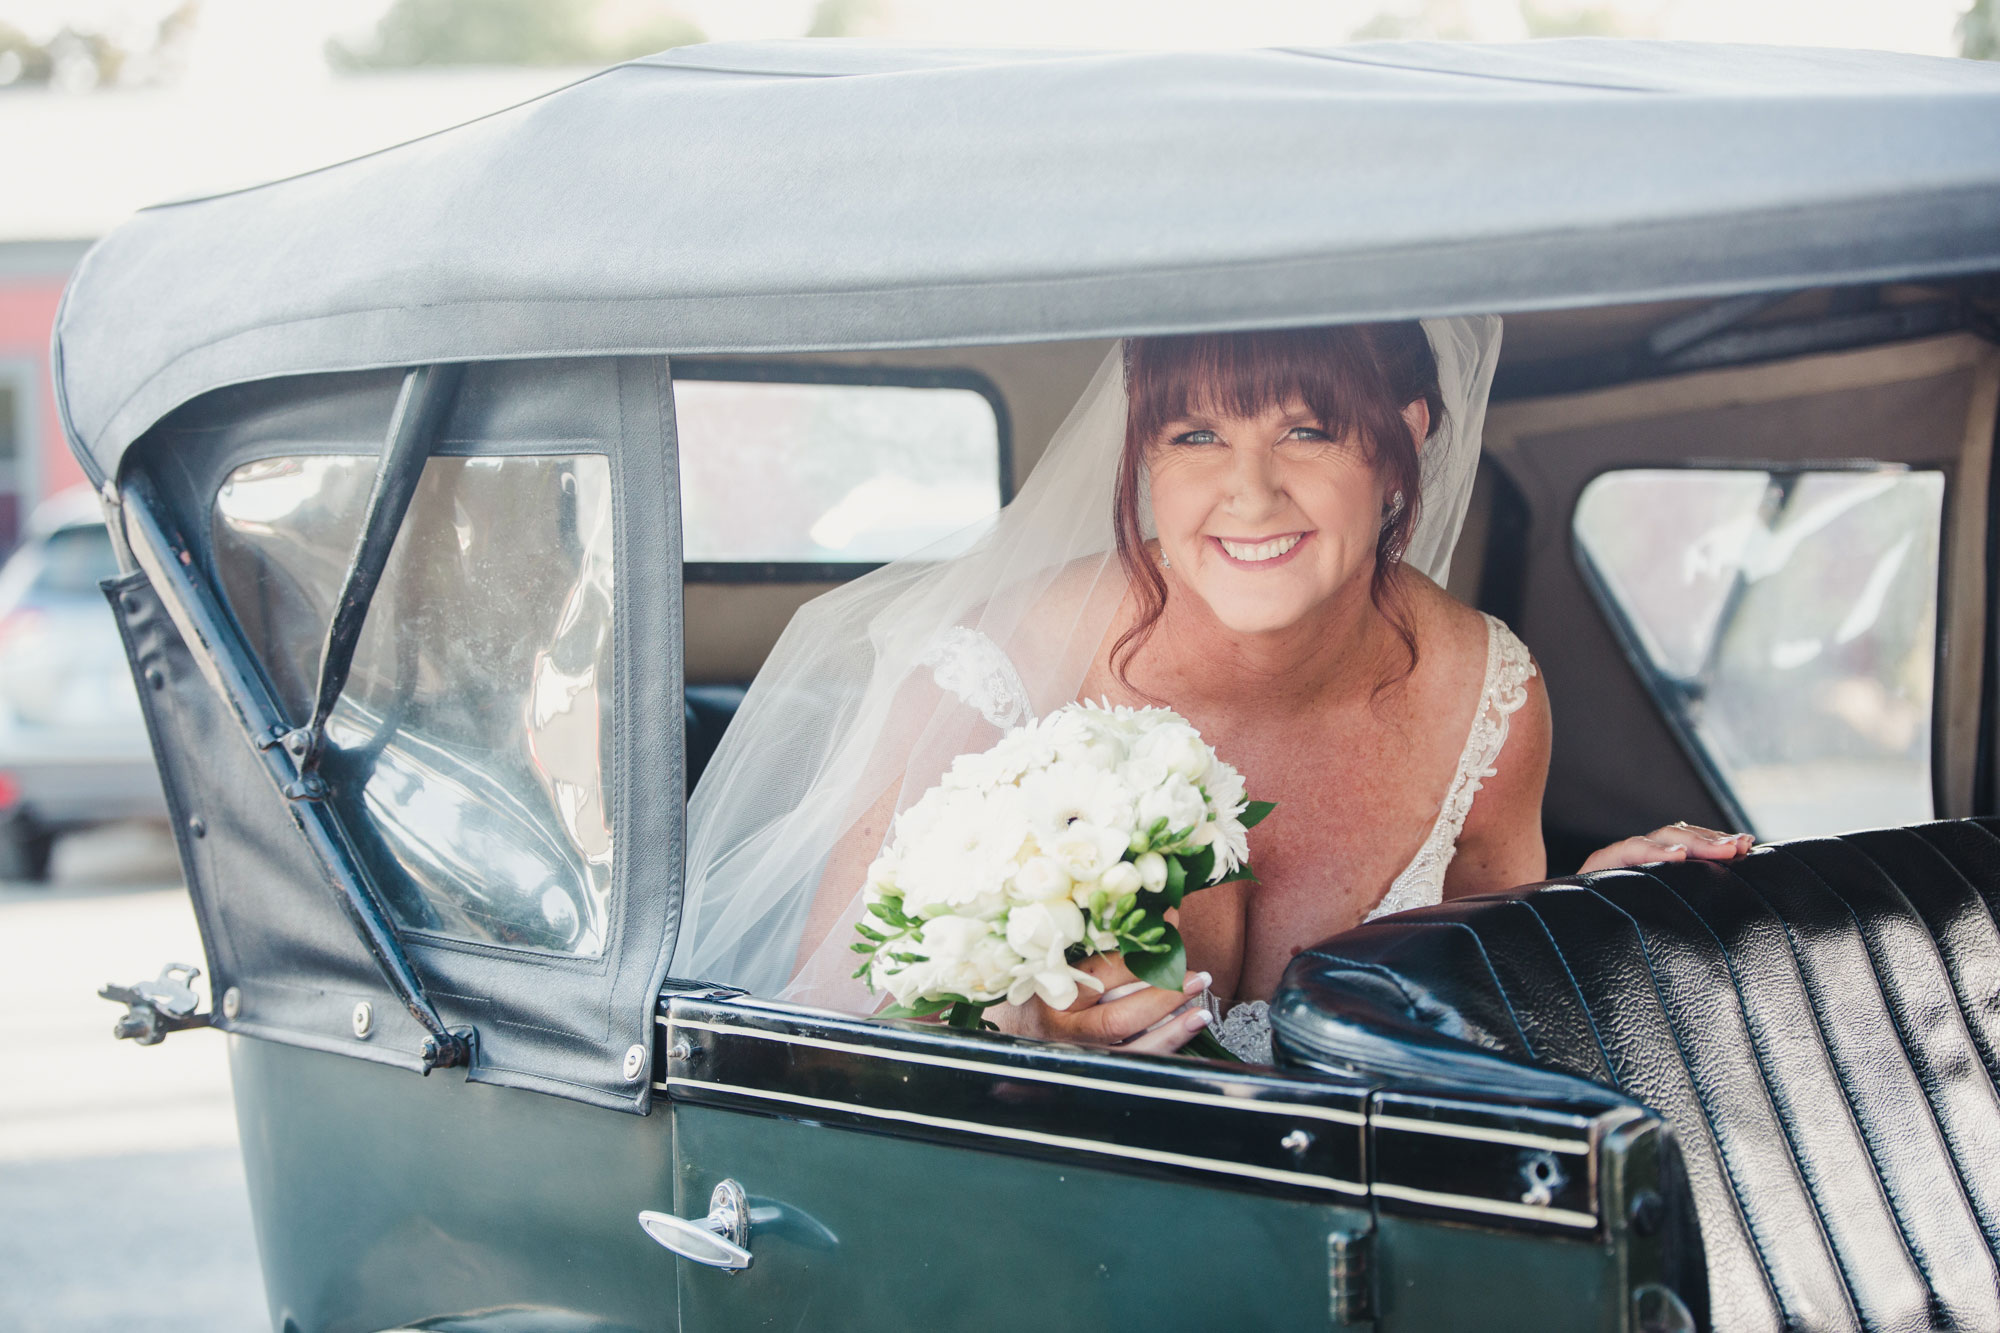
299, 27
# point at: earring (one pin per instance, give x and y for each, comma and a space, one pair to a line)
1395, 508
1165, 562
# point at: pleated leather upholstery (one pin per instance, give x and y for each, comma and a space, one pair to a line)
1820, 1024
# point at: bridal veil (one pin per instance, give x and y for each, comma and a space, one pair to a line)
875, 687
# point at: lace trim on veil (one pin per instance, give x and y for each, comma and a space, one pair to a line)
967, 663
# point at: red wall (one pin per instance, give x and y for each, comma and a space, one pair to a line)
27, 315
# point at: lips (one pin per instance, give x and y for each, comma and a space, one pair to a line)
1260, 554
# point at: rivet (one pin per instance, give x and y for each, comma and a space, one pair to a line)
232, 1002
197, 826
1296, 1141
364, 1019
1648, 1211
155, 678
635, 1063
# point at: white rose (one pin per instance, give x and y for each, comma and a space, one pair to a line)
1152, 868
1179, 748
1125, 878
1039, 931
1041, 878
1086, 851
1177, 801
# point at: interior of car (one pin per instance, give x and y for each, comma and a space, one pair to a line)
1644, 467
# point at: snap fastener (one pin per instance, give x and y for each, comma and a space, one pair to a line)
635, 1063
232, 1002
364, 1019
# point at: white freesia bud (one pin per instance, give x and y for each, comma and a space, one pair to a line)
1041, 878
1152, 868
1043, 930
1125, 877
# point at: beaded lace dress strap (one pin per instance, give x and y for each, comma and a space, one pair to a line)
967, 663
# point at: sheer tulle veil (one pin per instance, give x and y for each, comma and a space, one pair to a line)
875, 687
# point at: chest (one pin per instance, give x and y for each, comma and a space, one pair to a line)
1358, 789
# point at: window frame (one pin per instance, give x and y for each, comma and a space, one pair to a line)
1653, 681
781, 371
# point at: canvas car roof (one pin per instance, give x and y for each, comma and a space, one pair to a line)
793, 196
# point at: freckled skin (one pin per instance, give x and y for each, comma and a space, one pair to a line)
1294, 675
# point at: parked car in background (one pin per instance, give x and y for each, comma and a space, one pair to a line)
73, 748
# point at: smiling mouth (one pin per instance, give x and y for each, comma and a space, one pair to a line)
1271, 551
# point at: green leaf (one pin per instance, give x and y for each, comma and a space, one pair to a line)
862, 946
869, 932
919, 1009
1198, 866
1166, 969
965, 1016
1253, 813
1209, 1047
1241, 872
1176, 881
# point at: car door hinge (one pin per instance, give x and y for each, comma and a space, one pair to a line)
155, 1008
1350, 1277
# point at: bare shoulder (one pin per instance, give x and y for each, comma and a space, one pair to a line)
1451, 638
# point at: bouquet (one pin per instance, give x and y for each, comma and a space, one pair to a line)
1071, 837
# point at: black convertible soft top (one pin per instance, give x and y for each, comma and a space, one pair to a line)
803, 195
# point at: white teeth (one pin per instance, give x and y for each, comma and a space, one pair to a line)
1255, 551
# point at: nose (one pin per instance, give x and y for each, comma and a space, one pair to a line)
1255, 489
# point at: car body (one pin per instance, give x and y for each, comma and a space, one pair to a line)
73, 748
410, 496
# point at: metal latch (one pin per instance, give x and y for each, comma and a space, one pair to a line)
1350, 1279
155, 1008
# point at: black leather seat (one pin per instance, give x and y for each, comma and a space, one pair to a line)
1820, 1024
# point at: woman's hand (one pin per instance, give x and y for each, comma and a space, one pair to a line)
1675, 842
1128, 1014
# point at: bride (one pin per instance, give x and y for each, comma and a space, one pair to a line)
1251, 528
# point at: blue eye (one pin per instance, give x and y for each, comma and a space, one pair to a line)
1198, 437
1308, 433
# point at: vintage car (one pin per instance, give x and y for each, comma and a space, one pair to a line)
460, 489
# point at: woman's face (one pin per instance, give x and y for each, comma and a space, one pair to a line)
1267, 517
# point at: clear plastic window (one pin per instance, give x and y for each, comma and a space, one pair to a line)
787, 473
471, 746
1789, 621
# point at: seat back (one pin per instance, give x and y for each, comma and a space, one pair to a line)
1819, 1023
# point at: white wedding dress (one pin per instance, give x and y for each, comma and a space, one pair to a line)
971, 666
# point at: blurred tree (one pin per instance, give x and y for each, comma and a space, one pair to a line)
1575, 21
846, 18
1979, 31
513, 32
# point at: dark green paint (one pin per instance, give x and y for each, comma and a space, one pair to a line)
933, 1237
383, 1198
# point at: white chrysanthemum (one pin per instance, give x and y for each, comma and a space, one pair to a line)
957, 848
1064, 793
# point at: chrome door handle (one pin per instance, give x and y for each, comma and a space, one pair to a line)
720, 1240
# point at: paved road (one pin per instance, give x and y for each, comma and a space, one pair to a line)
121, 1190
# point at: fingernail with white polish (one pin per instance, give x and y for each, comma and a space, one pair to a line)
1196, 1021
1197, 983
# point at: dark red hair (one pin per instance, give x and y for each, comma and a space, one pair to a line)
1353, 378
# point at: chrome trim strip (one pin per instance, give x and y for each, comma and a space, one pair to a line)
1495, 1207
1481, 1134
1037, 1137
1294, 1109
